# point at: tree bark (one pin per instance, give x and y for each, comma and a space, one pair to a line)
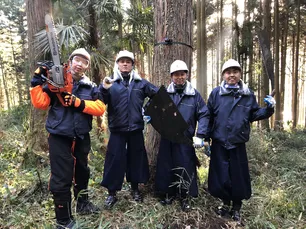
173, 19
295, 79
283, 61
265, 79
201, 49
277, 122
36, 22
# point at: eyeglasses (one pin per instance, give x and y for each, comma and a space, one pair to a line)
80, 60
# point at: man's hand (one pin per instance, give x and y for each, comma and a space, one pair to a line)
146, 118
198, 142
107, 82
37, 79
73, 101
207, 148
270, 101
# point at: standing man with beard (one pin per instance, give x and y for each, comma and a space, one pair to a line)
69, 125
124, 93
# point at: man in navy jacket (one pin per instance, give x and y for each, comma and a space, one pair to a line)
69, 141
232, 107
176, 174
124, 94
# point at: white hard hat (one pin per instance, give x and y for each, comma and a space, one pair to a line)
231, 63
178, 65
80, 51
125, 53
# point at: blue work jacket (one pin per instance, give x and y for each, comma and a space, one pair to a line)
231, 114
125, 103
193, 109
68, 121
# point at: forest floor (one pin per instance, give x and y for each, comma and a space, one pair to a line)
277, 163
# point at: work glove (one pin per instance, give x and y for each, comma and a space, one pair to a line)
37, 79
198, 142
107, 82
207, 149
146, 118
43, 69
73, 101
270, 101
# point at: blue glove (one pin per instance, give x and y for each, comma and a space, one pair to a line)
207, 151
270, 101
146, 119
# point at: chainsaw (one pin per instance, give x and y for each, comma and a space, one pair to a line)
59, 77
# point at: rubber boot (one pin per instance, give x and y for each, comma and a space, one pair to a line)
223, 210
110, 200
85, 207
136, 194
62, 204
235, 212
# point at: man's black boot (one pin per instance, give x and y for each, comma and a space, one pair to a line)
185, 204
85, 207
223, 210
236, 215
166, 199
65, 225
235, 212
110, 200
136, 194
63, 214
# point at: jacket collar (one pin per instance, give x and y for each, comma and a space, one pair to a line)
86, 81
243, 89
134, 75
189, 90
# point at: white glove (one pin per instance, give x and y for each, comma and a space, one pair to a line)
107, 82
198, 142
270, 101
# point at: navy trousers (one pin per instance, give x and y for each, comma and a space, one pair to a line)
126, 155
229, 177
176, 169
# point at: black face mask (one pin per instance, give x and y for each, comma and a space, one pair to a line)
179, 88
125, 75
126, 78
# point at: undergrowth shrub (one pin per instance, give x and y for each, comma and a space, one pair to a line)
277, 162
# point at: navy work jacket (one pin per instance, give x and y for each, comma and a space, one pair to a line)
232, 113
68, 121
193, 109
124, 103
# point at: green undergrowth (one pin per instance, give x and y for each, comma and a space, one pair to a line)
277, 162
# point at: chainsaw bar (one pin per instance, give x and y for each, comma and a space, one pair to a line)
57, 68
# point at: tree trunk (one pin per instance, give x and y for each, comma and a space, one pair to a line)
36, 22
283, 61
170, 16
277, 122
17, 73
201, 49
6, 89
295, 79
265, 78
